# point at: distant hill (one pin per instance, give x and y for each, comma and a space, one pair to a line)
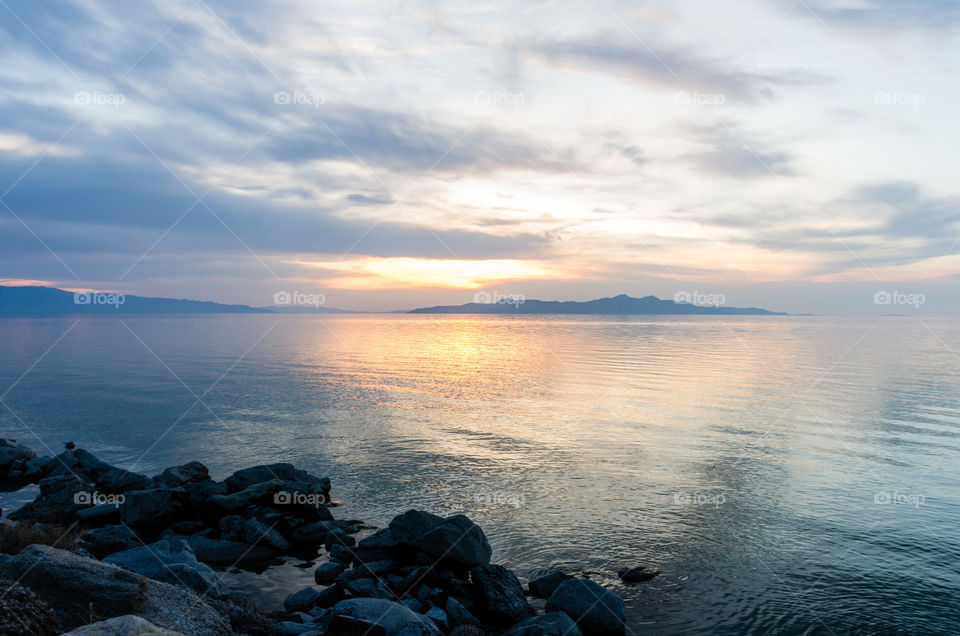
49, 301
621, 304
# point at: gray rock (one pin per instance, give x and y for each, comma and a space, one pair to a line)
75, 587
410, 526
172, 561
153, 508
637, 574
459, 614
286, 472
457, 539
501, 596
256, 532
341, 553
37, 467
290, 628
439, 618
189, 473
316, 533
128, 625
259, 493
119, 480
414, 604
302, 600
546, 584
328, 572
366, 587
549, 624
595, 609
11, 452
109, 539
61, 497
328, 597
23, 612
379, 546
231, 527
467, 630
390, 616
220, 552
80, 462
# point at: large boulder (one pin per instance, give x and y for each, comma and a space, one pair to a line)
549, 624
457, 539
153, 508
411, 525
23, 612
259, 493
119, 480
11, 454
109, 539
189, 473
171, 560
128, 625
220, 552
60, 498
79, 462
595, 609
500, 594
78, 587
388, 616
284, 472
545, 585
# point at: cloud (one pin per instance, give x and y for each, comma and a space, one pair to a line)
889, 14
727, 151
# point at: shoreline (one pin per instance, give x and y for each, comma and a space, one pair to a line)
176, 536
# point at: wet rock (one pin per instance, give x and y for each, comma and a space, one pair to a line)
258, 493
285, 472
189, 473
328, 572
314, 534
383, 544
128, 625
500, 594
153, 508
328, 597
549, 624
457, 539
546, 584
337, 535
341, 553
109, 539
410, 526
171, 560
637, 574
391, 617
75, 587
23, 612
302, 600
256, 532
595, 609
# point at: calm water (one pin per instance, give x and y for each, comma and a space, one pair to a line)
788, 475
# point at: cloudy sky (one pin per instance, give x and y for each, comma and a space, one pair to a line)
799, 156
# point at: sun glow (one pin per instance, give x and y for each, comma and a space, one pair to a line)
390, 273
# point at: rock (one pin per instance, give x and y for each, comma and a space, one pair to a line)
220, 552
23, 612
119, 480
546, 584
61, 497
291, 628
500, 593
302, 600
231, 527
11, 452
76, 587
595, 609
467, 630
367, 587
549, 624
128, 625
459, 614
37, 467
109, 539
390, 616
190, 473
315, 533
414, 604
410, 526
457, 539
341, 553
199, 493
256, 532
286, 472
153, 508
637, 574
171, 560
328, 572
328, 597
79, 462
379, 546
439, 618
338, 536
102, 513
341, 625
259, 493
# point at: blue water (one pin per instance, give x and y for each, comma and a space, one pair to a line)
789, 475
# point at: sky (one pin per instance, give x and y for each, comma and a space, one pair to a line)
798, 156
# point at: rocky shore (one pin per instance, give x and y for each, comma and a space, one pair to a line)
102, 550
